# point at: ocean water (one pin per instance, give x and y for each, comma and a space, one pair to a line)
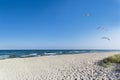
33, 53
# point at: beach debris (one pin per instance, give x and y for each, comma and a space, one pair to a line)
107, 38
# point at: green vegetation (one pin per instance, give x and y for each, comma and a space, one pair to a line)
112, 59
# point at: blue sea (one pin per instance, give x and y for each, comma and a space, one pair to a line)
33, 53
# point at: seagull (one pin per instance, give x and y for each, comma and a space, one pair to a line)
87, 14
99, 27
102, 28
107, 38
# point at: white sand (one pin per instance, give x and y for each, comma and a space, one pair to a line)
62, 67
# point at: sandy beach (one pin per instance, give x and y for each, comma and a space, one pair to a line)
60, 67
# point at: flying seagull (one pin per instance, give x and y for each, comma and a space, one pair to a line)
98, 27
107, 38
102, 28
87, 14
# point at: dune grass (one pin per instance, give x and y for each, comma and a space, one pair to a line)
112, 59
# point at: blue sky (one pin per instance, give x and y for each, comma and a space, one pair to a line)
59, 24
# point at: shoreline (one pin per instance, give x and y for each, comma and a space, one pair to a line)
58, 67
2, 57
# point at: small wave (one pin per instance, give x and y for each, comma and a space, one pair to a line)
76, 51
29, 55
33, 54
4, 56
83, 51
50, 53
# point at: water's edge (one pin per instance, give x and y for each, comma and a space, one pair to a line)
34, 53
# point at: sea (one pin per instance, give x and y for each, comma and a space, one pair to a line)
4, 54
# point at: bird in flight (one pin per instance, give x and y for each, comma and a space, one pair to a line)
87, 14
102, 28
107, 38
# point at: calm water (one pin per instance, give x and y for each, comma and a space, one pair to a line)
32, 53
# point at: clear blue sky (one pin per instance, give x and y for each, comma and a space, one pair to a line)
59, 24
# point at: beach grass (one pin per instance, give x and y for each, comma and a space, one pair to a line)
109, 60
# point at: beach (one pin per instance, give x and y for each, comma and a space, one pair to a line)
59, 67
